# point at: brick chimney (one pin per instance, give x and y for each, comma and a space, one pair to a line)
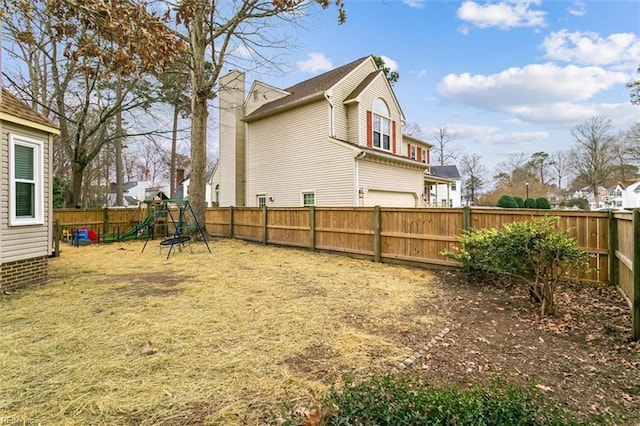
179, 176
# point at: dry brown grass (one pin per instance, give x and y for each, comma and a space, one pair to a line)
234, 332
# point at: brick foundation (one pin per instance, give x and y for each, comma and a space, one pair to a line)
22, 273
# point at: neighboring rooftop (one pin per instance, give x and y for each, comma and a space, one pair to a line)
449, 172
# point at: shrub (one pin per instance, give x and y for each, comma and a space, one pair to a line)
507, 202
390, 400
581, 203
534, 253
543, 203
519, 202
530, 203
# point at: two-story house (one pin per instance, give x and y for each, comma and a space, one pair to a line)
333, 140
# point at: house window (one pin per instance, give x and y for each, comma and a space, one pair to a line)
453, 186
218, 194
381, 125
308, 199
261, 200
26, 176
413, 153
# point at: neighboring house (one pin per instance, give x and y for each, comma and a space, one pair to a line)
587, 193
333, 140
182, 189
614, 197
26, 232
133, 193
631, 195
447, 193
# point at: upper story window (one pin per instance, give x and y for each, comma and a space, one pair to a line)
261, 200
381, 125
412, 154
26, 175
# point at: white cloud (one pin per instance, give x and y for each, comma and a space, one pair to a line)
504, 15
416, 4
388, 62
577, 8
492, 135
538, 84
317, 62
623, 114
464, 30
590, 48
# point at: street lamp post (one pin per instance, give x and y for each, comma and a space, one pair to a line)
527, 186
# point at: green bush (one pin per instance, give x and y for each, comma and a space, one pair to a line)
519, 201
543, 203
507, 202
390, 400
530, 203
534, 253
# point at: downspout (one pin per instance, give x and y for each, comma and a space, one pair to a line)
332, 126
356, 177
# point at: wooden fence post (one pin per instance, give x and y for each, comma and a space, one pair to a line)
377, 241
105, 220
635, 299
614, 265
466, 218
312, 227
230, 221
264, 225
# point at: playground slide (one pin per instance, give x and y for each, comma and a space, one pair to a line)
133, 232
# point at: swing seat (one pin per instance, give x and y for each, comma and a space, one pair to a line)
175, 240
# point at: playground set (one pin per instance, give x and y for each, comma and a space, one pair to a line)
176, 232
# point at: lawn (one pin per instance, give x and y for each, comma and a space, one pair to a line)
121, 336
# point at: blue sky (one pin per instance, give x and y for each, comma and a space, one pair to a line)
503, 76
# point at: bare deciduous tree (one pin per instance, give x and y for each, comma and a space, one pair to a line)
443, 149
592, 157
560, 166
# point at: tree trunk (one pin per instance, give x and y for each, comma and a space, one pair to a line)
118, 149
77, 170
174, 142
199, 115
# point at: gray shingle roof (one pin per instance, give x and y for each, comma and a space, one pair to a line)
449, 172
310, 87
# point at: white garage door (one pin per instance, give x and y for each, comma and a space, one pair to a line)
389, 199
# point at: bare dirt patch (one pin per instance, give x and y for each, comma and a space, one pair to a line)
583, 357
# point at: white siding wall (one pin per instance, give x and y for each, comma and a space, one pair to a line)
261, 94
23, 242
376, 176
285, 158
344, 121
379, 89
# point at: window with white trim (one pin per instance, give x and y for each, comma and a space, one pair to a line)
413, 152
381, 125
26, 177
308, 199
261, 200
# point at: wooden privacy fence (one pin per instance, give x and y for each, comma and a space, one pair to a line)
625, 264
107, 221
405, 235
421, 235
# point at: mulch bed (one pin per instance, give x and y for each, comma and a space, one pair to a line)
583, 357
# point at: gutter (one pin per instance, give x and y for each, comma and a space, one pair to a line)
288, 106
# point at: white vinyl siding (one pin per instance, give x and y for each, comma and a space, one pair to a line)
381, 179
23, 242
345, 123
292, 151
378, 89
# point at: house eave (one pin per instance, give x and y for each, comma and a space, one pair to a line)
286, 107
28, 123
